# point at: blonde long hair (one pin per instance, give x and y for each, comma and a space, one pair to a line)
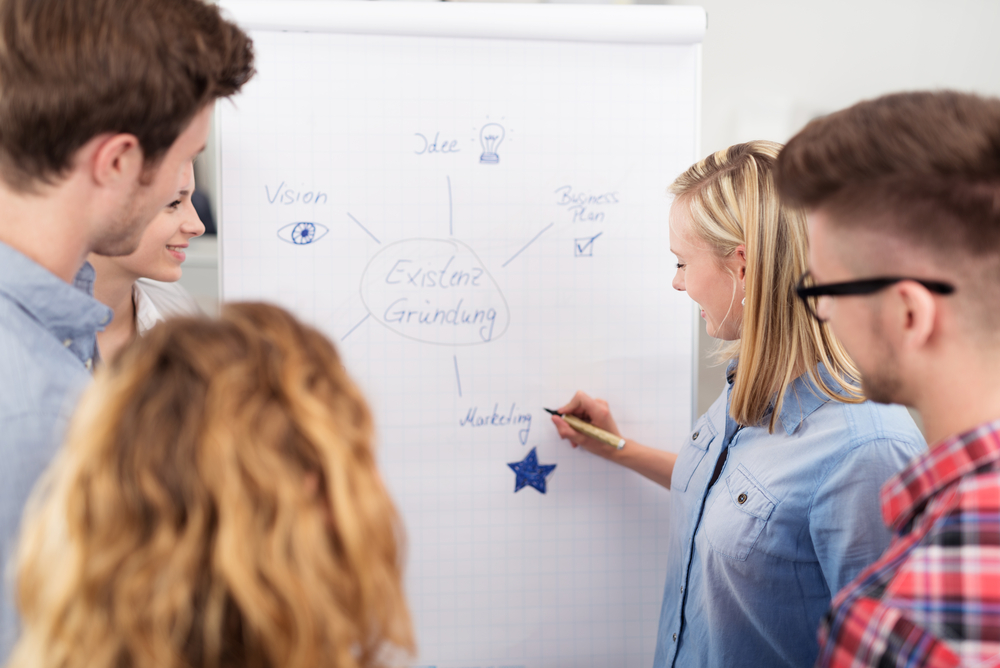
733, 201
217, 503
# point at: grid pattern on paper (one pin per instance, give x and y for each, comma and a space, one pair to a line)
376, 142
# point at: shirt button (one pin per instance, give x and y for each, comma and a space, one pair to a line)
682, 589
68, 342
675, 637
89, 364
694, 436
742, 498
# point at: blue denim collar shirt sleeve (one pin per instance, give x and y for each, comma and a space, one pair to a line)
754, 559
48, 345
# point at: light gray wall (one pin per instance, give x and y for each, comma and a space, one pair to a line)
769, 66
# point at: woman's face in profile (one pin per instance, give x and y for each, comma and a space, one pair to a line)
161, 250
710, 281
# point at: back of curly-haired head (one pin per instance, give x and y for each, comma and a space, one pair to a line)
217, 503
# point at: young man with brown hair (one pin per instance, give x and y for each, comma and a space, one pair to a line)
103, 105
903, 195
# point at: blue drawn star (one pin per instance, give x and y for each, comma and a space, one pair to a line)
530, 472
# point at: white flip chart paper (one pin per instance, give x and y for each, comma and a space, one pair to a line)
479, 223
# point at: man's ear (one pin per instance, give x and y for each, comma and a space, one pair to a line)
917, 313
117, 160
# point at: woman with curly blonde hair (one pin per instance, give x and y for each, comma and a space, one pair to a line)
217, 503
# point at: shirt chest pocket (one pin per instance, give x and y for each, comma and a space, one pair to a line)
691, 455
738, 515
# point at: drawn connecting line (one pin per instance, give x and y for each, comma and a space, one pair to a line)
351, 330
458, 377
451, 228
533, 240
367, 231
530, 473
303, 233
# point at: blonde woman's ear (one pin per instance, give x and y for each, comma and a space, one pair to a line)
741, 255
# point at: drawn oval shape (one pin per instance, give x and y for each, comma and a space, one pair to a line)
302, 233
434, 291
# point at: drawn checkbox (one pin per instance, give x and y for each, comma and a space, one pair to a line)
584, 246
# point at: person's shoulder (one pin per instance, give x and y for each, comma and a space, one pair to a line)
17, 328
979, 490
34, 366
869, 421
170, 299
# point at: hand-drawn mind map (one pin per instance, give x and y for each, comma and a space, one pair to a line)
438, 291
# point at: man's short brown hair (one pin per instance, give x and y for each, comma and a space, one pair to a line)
71, 70
922, 166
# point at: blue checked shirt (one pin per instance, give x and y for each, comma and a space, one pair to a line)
48, 332
793, 517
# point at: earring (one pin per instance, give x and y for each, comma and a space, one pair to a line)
744, 302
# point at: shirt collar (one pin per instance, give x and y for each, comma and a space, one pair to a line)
906, 493
146, 313
67, 311
802, 397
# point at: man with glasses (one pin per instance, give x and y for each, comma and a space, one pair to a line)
903, 196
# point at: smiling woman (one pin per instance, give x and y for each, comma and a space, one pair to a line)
775, 492
140, 287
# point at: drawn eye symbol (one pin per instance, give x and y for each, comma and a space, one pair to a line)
301, 234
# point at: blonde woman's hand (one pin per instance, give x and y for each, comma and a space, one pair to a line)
594, 411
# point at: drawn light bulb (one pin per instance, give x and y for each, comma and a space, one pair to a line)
490, 137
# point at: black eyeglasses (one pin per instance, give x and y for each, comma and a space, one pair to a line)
810, 293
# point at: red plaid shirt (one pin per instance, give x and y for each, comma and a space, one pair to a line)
933, 599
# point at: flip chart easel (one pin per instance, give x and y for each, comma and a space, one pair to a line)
470, 201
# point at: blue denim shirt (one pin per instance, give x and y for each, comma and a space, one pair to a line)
48, 334
793, 517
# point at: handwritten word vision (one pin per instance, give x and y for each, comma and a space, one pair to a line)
285, 195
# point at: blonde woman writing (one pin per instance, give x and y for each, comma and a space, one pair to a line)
774, 503
217, 504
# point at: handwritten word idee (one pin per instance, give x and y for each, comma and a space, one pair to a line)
425, 146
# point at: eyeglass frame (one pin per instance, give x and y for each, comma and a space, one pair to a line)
865, 286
